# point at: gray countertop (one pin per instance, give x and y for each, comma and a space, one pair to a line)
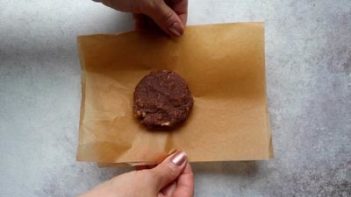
308, 64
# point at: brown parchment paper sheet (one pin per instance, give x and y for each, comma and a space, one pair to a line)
224, 66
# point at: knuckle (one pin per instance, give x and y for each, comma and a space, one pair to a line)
150, 7
168, 17
171, 169
149, 176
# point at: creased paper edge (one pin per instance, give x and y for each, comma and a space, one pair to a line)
82, 104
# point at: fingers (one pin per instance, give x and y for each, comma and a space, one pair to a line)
170, 16
166, 18
143, 22
169, 170
181, 8
185, 183
169, 190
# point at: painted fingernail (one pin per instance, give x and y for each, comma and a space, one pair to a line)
179, 158
176, 29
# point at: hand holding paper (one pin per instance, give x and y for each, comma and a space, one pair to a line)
170, 16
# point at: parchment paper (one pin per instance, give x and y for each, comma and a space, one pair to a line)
224, 67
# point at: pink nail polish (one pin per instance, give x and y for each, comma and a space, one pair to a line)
179, 158
175, 29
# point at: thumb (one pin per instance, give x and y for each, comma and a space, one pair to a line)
166, 18
169, 170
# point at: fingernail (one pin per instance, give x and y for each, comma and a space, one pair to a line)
176, 29
179, 158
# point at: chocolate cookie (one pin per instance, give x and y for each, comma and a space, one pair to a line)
162, 99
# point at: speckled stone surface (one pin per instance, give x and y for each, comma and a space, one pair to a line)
308, 60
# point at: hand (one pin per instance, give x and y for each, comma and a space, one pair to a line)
169, 15
171, 178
